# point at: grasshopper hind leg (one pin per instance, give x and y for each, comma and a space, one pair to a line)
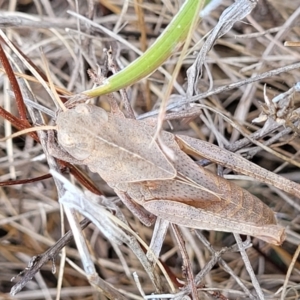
145, 217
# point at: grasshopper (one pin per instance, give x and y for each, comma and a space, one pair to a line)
177, 189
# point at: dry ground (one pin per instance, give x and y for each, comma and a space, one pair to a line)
31, 220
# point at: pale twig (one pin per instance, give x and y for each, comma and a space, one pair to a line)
114, 68
107, 223
37, 262
217, 258
234, 13
187, 267
73, 195
222, 89
158, 237
249, 267
289, 272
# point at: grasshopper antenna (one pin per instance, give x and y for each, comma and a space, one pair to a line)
55, 97
21, 132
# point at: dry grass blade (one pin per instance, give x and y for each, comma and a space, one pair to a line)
251, 73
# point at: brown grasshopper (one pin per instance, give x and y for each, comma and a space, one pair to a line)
123, 153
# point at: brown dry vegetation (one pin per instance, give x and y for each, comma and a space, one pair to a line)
30, 217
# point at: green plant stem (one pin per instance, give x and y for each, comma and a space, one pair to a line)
171, 38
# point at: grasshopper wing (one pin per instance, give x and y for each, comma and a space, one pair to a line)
200, 199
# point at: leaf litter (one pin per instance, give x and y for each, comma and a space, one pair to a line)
231, 84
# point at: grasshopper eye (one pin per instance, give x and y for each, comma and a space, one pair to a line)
79, 150
85, 143
82, 149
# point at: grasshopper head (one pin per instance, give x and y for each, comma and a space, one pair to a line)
76, 129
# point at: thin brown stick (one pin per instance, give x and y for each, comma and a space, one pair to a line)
15, 86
